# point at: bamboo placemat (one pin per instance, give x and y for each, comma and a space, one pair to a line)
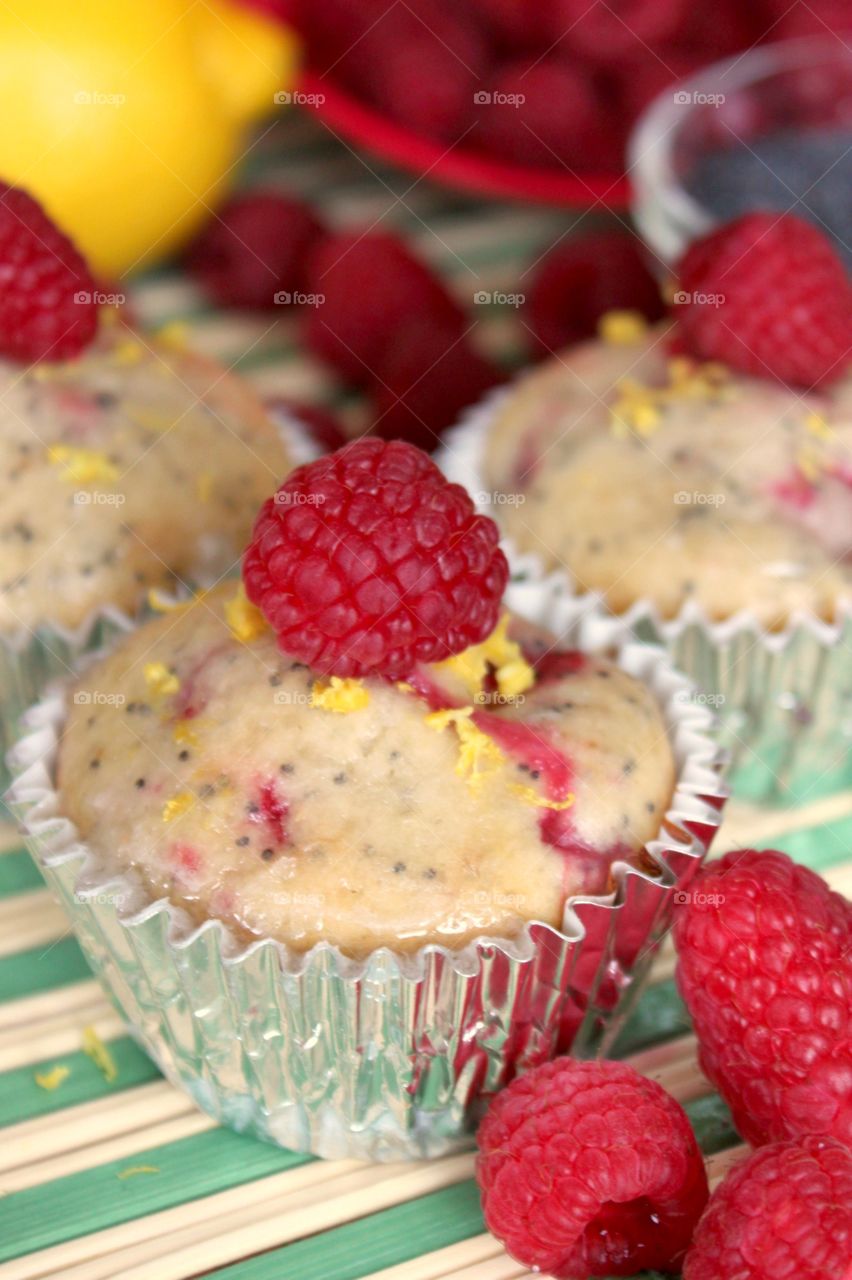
105, 1178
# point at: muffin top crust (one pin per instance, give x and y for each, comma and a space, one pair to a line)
650, 476
476, 795
134, 465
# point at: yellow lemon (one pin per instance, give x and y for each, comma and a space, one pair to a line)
127, 119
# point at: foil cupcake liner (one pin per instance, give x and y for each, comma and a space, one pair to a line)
783, 699
392, 1056
31, 658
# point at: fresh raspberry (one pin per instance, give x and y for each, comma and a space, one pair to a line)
371, 285
421, 65
815, 18
517, 121
368, 562
323, 428
581, 279
513, 26
610, 31
782, 1213
765, 967
638, 84
48, 309
427, 378
589, 1169
254, 250
768, 294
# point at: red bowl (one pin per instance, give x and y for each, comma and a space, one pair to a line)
456, 167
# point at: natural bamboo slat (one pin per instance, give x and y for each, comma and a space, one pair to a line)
53, 1038
481, 1257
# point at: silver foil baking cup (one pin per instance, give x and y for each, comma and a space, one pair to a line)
393, 1056
783, 698
31, 658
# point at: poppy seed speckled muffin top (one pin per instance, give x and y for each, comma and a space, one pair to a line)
652, 477
134, 465
476, 795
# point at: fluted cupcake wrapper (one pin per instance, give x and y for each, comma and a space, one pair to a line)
31, 658
783, 698
392, 1056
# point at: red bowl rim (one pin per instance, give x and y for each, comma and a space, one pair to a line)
468, 170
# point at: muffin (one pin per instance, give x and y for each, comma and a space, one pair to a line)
651, 477
219, 774
132, 468
712, 509
351, 856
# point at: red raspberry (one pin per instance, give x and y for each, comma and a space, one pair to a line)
589, 1169
518, 121
609, 31
769, 295
514, 25
421, 65
815, 18
765, 967
427, 378
47, 296
368, 561
783, 1213
255, 249
581, 279
371, 285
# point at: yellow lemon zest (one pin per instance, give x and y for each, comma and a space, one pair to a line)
817, 425
174, 335
404, 686
639, 409
342, 696
244, 619
514, 675
136, 1169
53, 1078
204, 487
82, 466
178, 805
153, 420
810, 463
128, 351
531, 796
476, 750
184, 733
622, 328
94, 1048
160, 680
162, 604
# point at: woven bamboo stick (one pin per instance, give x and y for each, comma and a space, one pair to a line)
481, 1257
53, 1038
47, 1004
29, 920
83, 1130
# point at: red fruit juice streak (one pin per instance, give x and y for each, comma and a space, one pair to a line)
272, 812
189, 701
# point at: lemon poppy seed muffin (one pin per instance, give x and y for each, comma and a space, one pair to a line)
476, 795
649, 476
134, 465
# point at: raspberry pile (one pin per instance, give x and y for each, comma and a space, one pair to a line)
368, 561
589, 1169
783, 1212
48, 299
765, 968
483, 75
768, 294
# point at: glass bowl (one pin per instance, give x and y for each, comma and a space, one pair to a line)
770, 128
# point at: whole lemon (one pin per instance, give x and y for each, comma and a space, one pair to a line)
126, 119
